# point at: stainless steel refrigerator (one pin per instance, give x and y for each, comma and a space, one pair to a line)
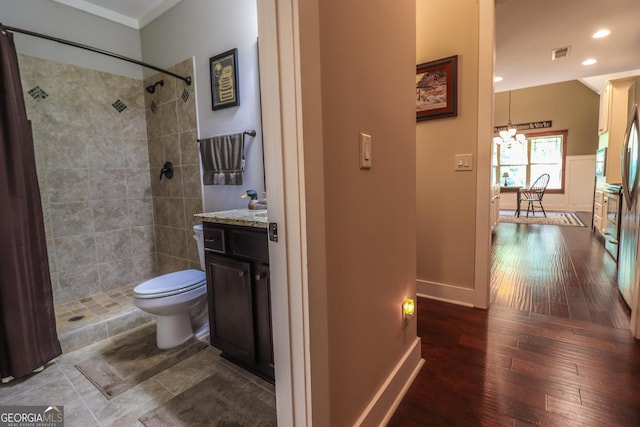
630, 218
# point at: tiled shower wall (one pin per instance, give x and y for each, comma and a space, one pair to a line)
92, 159
171, 129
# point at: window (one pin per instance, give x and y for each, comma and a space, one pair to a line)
520, 164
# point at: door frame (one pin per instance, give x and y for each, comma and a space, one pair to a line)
283, 155
486, 55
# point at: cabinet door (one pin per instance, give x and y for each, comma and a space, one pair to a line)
605, 103
598, 211
231, 307
263, 320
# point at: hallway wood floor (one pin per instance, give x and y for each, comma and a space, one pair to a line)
556, 270
552, 350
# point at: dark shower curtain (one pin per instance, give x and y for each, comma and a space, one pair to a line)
28, 337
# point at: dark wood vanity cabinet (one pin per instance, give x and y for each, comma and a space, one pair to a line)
238, 288
231, 307
264, 336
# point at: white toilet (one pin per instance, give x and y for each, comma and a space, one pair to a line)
178, 300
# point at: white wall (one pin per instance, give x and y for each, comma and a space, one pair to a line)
202, 29
54, 19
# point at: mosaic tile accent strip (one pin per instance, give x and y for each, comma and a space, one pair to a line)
119, 106
38, 93
153, 107
185, 95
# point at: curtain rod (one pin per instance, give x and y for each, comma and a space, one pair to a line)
186, 79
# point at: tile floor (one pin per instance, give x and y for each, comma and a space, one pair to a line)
60, 383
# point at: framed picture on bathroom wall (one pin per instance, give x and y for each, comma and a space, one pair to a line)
224, 80
437, 89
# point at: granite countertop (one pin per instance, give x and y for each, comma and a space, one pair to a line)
245, 217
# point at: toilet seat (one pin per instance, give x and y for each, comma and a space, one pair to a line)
170, 284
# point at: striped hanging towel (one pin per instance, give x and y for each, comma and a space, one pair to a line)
222, 159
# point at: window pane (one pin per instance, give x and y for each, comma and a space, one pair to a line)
517, 175
516, 154
554, 171
542, 153
546, 150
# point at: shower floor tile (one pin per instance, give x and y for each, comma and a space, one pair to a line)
93, 309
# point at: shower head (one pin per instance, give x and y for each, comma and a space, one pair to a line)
152, 88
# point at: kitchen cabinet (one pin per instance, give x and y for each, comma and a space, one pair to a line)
238, 292
599, 211
605, 104
618, 112
495, 205
611, 213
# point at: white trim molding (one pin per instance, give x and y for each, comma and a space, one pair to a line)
279, 86
390, 394
448, 293
484, 154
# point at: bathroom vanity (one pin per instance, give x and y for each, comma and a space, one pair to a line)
238, 288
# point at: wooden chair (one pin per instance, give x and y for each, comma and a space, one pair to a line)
534, 194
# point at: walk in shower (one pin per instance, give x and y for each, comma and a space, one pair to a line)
100, 141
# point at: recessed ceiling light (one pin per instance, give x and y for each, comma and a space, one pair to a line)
497, 79
589, 61
601, 33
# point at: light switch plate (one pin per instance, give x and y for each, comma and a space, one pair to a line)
464, 162
365, 151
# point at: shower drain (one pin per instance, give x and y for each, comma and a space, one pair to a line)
75, 318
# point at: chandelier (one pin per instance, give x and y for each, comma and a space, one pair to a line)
510, 135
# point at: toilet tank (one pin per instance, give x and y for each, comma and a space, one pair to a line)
198, 234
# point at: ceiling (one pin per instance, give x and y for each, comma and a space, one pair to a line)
528, 30
132, 13
526, 33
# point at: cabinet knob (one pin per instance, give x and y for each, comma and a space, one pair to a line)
258, 276
241, 273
